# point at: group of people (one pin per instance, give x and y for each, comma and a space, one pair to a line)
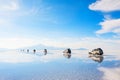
34, 51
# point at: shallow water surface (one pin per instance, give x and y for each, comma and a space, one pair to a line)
16, 65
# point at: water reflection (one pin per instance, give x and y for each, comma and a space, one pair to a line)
45, 51
34, 51
54, 66
67, 55
96, 58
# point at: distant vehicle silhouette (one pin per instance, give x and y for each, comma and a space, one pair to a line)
22, 50
67, 51
27, 50
97, 51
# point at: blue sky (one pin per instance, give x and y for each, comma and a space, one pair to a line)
60, 23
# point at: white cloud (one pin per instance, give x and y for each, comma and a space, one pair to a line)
109, 24
8, 9
112, 25
105, 5
15, 8
9, 5
5, 22
13, 43
2, 22
108, 45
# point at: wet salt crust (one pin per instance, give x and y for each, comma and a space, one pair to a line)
16, 65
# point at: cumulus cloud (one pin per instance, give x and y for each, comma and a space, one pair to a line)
109, 24
112, 25
105, 5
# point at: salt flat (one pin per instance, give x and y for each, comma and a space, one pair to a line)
17, 65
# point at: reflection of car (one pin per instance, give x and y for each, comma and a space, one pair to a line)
67, 55
97, 58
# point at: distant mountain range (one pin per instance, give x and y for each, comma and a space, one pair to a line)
40, 46
82, 49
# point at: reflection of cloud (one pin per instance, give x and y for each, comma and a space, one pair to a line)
111, 56
51, 56
105, 5
110, 73
17, 57
54, 55
14, 57
79, 55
